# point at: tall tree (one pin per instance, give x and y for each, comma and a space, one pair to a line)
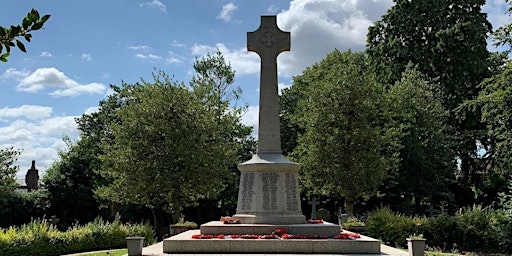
426, 166
343, 150
495, 103
72, 180
8, 157
447, 41
9, 35
173, 145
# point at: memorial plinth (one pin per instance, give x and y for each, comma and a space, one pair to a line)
269, 191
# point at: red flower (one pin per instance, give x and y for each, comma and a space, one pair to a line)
314, 221
280, 231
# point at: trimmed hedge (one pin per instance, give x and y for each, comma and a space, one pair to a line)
41, 238
474, 229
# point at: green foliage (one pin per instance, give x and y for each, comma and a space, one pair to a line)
21, 207
353, 222
41, 238
8, 157
426, 163
9, 35
186, 224
170, 145
495, 100
474, 229
75, 171
345, 139
447, 42
391, 228
503, 35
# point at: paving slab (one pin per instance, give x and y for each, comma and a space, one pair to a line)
157, 250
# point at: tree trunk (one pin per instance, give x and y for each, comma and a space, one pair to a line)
155, 222
417, 205
349, 206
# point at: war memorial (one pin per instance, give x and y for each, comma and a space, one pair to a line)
269, 217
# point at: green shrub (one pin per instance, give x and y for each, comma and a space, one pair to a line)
443, 232
475, 229
391, 228
481, 228
41, 238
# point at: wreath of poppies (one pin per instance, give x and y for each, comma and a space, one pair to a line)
280, 233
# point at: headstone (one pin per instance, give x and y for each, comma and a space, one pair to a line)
313, 202
269, 188
32, 177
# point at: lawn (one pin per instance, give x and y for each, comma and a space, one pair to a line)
118, 252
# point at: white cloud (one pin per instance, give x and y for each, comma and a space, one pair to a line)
86, 57
250, 118
497, 13
91, 110
12, 73
155, 4
173, 58
139, 47
272, 9
39, 140
281, 87
175, 43
44, 78
46, 54
319, 26
92, 88
242, 61
148, 56
227, 11
29, 111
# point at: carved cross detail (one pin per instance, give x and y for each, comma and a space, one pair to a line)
268, 41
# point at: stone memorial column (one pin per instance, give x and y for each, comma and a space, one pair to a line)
269, 189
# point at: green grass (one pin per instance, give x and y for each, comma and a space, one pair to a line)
118, 252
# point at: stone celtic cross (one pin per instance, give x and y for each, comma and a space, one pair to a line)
268, 41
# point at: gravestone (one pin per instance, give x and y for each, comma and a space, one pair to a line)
269, 189
313, 202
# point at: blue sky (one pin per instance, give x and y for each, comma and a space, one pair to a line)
87, 45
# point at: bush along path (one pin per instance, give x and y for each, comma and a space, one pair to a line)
41, 238
476, 229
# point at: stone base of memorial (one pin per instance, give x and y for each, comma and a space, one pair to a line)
184, 243
269, 191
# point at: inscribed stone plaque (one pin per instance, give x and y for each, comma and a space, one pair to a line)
291, 192
269, 189
247, 191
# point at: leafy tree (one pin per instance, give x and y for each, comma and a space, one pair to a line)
426, 164
9, 35
173, 146
8, 156
447, 41
71, 181
213, 82
343, 150
495, 101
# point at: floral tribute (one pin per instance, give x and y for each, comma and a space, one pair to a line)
280, 233
320, 221
229, 220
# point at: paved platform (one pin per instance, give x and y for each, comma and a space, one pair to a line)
157, 250
184, 243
